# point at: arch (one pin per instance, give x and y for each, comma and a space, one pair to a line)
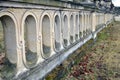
71, 29
90, 24
29, 38
80, 25
57, 29
77, 28
87, 26
46, 36
65, 31
84, 28
9, 24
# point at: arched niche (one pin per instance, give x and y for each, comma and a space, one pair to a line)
71, 29
76, 27
8, 45
84, 30
90, 23
87, 26
80, 25
30, 40
57, 29
9, 36
46, 37
65, 31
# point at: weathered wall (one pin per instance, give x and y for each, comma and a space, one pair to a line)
31, 37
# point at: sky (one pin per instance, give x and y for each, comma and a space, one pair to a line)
116, 2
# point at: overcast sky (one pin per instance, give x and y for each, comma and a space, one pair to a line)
116, 2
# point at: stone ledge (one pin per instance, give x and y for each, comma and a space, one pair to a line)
39, 4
